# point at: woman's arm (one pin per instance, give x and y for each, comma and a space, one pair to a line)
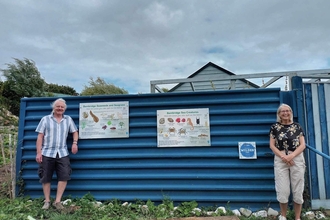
285, 158
300, 148
275, 150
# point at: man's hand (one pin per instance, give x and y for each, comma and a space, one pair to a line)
74, 148
39, 158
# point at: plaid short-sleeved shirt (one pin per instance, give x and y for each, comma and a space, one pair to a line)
55, 135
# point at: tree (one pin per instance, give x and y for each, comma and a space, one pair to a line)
55, 88
10, 99
6, 117
165, 89
23, 79
100, 87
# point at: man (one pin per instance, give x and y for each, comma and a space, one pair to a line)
52, 150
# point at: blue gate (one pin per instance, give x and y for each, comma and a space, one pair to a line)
317, 111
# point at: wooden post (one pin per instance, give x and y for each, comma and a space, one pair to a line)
12, 165
10, 159
3, 151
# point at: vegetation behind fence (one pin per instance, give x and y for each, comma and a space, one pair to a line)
8, 144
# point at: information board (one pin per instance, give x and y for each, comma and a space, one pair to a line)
104, 120
183, 127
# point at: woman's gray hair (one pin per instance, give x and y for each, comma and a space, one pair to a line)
58, 100
278, 118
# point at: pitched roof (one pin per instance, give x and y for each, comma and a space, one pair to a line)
217, 67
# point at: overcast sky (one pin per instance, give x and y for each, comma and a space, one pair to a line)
130, 42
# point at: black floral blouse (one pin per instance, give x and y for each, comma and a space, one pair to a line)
286, 136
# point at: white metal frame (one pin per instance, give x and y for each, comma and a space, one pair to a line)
307, 74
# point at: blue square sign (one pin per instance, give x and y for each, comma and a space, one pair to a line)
247, 150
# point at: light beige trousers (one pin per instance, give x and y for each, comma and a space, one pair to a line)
290, 177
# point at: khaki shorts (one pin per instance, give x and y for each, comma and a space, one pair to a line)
287, 177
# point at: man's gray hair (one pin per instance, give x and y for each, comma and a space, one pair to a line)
58, 100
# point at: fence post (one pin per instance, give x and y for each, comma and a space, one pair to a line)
3, 151
12, 165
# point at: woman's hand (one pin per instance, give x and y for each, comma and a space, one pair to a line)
288, 159
290, 163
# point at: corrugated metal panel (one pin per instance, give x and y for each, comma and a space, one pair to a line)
317, 101
134, 168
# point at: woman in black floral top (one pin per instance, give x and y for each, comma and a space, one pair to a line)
287, 141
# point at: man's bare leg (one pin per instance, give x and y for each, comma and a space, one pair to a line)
46, 190
61, 185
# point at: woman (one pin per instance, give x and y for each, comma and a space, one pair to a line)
288, 143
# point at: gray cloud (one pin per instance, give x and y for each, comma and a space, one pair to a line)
129, 43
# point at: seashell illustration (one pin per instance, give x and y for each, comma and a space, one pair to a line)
170, 119
95, 118
161, 121
85, 114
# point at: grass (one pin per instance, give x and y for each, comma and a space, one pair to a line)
88, 208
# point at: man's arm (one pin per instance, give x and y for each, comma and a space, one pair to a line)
40, 139
74, 148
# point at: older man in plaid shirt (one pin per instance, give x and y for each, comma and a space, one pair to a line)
52, 150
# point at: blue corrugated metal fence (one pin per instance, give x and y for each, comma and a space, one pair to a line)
135, 168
